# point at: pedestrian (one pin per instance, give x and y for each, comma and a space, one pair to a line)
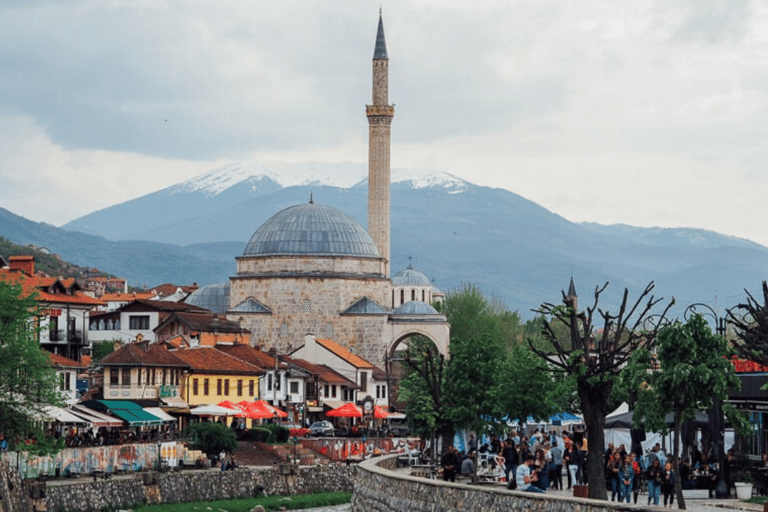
626, 478
654, 475
668, 485
450, 463
557, 461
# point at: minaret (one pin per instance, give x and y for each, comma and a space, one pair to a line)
380, 116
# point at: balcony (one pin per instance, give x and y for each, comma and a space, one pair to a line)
75, 337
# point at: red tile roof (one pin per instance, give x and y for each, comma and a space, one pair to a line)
58, 361
744, 366
166, 289
324, 373
211, 360
353, 359
204, 322
249, 354
126, 297
143, 354
41, 286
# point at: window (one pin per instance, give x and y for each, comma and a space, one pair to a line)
226, 387
164, 372
333, 391
402, 297
239, 387
329, 330
294, 387
277, 381
307, 306
413, 294
64, 381
194, 387
147, 372
269, 382
283, 330
423, 295
126, 377
218, 386
205, 387
138, 322
393, 298
153, 375
381, 391
326, 391
250, 388
114, 377
363, 382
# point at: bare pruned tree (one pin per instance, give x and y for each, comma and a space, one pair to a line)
750, 320
597, 348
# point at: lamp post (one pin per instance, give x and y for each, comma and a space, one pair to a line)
716, 412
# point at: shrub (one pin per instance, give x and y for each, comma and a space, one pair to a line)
261, 434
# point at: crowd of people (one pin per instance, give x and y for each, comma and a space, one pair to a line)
533, 464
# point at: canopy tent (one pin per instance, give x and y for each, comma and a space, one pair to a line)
53, 413
131, 412
348, 410
213, 410
379, 413
156, 411
96, 418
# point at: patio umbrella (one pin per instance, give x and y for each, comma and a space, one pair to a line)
348, 410
255, 410
213, 410
272, 410
240, 413
379, 413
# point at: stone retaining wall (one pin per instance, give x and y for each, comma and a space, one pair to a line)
203, 485
379, 489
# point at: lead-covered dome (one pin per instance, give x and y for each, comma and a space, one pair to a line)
213, 297
410, 277
311, 229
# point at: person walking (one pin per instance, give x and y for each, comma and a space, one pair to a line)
654, 475
626, 478
557, 461
668, 485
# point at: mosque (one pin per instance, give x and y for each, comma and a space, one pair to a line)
312, 269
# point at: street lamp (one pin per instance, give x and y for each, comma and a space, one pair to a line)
716, 413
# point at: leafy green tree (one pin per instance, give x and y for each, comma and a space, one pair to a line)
102, 349
211, 437
694, 369
594, 354
28, 382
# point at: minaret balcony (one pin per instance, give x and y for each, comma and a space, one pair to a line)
380, 110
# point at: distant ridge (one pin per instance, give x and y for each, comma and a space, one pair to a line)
455, 231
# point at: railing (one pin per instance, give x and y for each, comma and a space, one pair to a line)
61, 335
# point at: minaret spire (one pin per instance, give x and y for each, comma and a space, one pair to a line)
380, 115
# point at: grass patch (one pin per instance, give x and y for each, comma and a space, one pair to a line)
325, 499
757, 499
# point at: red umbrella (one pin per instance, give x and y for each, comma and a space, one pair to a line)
379, 413
230, 405
255, 410
348, 410
272, 410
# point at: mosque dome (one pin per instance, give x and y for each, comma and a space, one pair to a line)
311, 229
410, 277
213, 297
415, 307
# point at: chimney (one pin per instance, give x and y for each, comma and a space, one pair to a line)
25, 264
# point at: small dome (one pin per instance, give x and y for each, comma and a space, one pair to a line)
410, 277
213, 297
415, 307
311, 229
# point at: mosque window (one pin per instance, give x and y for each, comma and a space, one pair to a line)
413, 294
307, 306
393, 298
423, 296
402, 297
329, 330
283, 330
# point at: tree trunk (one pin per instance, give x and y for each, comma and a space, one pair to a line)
676, 463
594, 404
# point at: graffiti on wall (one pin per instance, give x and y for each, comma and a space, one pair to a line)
85, 461
359, 448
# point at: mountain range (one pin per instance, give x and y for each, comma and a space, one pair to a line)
454, 231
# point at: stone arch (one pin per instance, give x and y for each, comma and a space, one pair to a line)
438, 334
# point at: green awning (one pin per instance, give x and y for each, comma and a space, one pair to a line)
131, 412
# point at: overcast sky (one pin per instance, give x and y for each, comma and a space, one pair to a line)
644, 113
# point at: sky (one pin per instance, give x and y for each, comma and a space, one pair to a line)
643, 113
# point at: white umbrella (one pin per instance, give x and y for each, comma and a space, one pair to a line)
214, 410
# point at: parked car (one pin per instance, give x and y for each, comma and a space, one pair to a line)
322, 428
296, 429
